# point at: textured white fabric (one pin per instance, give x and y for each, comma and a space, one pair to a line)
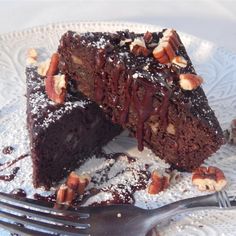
213, 20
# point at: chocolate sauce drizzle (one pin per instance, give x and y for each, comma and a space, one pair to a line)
121, 193
7, 150
18, 192
8, 164
11, 176
127, 97
143, 105
143, 108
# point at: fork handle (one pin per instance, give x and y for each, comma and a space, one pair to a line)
195, 203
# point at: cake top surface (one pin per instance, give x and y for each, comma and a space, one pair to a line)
44, 111
164, 75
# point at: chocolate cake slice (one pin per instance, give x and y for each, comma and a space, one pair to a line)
147, 84
62, 135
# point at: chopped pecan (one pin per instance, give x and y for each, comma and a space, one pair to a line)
190, 81
148, 37
165, 51
75, 185
158, 182
78, 182
43, 67
31, 56
53, 67
209, 179
32, 53
65, 195
55, 87
179, 61
125, 41
138, 47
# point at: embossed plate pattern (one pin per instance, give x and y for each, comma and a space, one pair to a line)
215, 64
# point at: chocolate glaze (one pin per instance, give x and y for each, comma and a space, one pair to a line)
143, 95
49, 199
19, 192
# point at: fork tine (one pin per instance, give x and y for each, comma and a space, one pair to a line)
13, 228
45, 216
223, 199
41, 206
219, 199
226, 198
49, 227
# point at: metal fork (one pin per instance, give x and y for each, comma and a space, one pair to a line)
30, 217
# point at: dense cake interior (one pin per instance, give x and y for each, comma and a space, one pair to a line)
62, 136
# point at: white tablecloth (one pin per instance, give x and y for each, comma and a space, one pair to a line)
213, 20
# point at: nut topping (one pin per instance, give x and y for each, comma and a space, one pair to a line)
179, 61
209, 179
159, 182
138, 47
31, 56
65, 195
75, 185
43, 67
78, 182
56, 88
53, 67
32, 53
190, 81
55, 85
148, 37
123, 42
165, 52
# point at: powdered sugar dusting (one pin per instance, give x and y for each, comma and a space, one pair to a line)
220, 93
45, 111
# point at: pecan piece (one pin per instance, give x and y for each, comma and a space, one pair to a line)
53, 67
43, 67
125, 41
165, 51
158, 182
32, 55
148, 37
75, 185
138, 47
209, 179
65, 195
190, 81
179, 61
78, 182
55, 87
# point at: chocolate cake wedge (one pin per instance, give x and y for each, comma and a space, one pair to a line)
147, 84
62, 136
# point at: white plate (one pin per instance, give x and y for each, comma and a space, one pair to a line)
216, 65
